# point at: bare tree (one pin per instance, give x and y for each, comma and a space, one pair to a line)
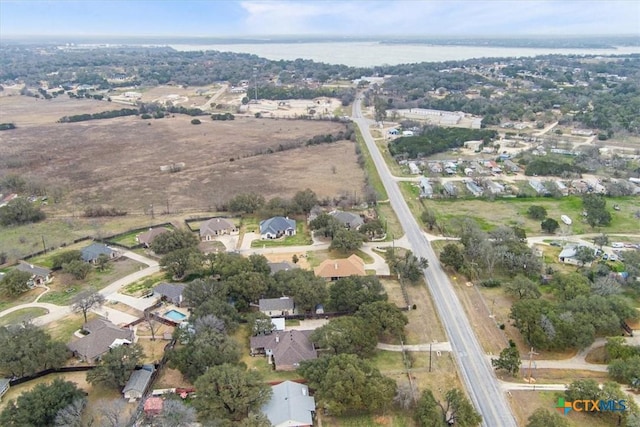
112, 413
177, 414
152, 323
71, 415
86, 300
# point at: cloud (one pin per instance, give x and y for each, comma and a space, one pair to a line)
445, 18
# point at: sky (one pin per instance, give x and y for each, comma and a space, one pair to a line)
223, 18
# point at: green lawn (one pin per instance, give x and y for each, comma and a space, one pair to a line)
143, 286
23, 315
513, 211
370, 168
388, 217
301, 238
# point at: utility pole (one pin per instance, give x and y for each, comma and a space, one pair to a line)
152, 217
531, 353
44, 246
429, 357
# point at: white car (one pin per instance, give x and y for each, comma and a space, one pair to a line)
617, 245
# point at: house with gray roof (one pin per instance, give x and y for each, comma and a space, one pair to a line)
138, 383
290, 405
171, 292
285, 350
274, 307
348, 219
276, 227
103, 335
426, 189
93, 251
281, 266
215, 227
450, 189
39, 275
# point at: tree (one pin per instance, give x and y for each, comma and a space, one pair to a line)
346, 334
428, 217
177, 414
549, 225
537, 212
586, 389
543, 418
246, 203
372, 229
349, 293
452, 256
584, 255
260, 323
326, 225
527, 315
304, 201
601, 240
247, 287
109, 413
303, 286
523, 288
509, 359
77, 268
87, 300
383, 318
346, 240
228, 391
348, 383
15, 282
570, 285
71, 415
20, 211
207, 346
174, 240
58, 260
152, 323
116, 366
380, 109
102, 261
27, 349
457, 410
408, 266
625, 370
41, 406
595, 205
428, 411
180, 261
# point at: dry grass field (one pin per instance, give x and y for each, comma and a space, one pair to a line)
117, 162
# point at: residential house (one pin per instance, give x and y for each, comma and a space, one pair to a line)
426, 189
4, 386
473, 145
274, 307
171, 292
147, 237
281, 266
393, 132
138, 383
474, 188
284, 350
103, 335
407, 133
413, 168
537, 185
334, 269
93, 251
568, 255
562, 188
39, 275
435, 167
153, 406
494, 187
348, 219
511, 166
450, 189
276, 227
290, 405
215, 227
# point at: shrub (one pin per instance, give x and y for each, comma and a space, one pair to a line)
490, 283
195, 122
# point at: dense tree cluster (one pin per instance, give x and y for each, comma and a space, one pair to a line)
97, 116
116, 366
20, 211
434, 140
26, 349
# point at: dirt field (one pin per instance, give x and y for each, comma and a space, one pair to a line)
117, 161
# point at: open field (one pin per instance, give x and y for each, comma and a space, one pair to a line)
490, 214
117, 162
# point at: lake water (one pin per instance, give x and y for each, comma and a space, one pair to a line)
367, 54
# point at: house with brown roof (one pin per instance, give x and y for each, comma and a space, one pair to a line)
147, 237
334, 269
103, 336
215, 227
153, 406
284, 349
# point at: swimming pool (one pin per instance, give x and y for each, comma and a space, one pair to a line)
175, 315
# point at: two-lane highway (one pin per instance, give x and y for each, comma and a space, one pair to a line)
476, 371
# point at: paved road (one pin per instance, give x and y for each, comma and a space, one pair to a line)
475, 370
